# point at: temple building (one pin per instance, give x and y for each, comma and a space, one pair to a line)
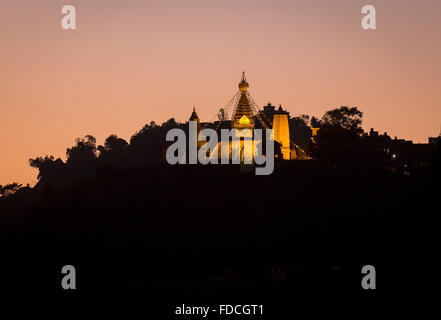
246, 116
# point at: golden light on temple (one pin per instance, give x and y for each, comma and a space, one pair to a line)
244, 116
281, 134
244, 120
314, 134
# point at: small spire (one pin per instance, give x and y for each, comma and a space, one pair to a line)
244, 79
194, 115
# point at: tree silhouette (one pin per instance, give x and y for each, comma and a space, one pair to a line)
339, 138
300, 131
50, 171
344, 119
146, 145
315, 123
83, 153
9, 189
113, 150
221, 116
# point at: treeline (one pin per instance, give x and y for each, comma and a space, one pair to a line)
340, 141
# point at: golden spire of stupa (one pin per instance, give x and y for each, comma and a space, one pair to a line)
243, 114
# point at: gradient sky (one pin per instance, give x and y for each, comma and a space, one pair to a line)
133, 61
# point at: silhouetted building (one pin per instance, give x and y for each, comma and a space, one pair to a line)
402, 155
434, 140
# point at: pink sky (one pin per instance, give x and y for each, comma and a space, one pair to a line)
132, 61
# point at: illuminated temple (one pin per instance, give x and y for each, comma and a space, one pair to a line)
246, 116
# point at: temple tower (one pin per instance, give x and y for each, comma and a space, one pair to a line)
194, 117
281, 132
243, 114
243, 122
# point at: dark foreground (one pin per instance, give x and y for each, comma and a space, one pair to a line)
163, 236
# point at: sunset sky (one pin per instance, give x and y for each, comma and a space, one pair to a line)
134, 61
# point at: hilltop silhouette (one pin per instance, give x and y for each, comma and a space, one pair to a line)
119, 211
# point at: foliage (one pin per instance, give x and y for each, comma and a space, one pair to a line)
9, 189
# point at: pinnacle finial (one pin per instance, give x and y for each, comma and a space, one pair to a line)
194, 115
243, 84
244, 79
